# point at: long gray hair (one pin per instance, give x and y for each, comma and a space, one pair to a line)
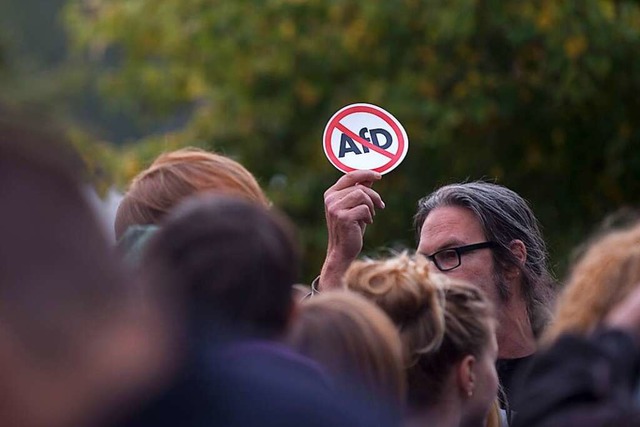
504, 217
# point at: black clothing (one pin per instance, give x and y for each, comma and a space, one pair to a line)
509, 370
586, 382
257, 384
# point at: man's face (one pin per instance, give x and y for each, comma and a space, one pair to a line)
451, 227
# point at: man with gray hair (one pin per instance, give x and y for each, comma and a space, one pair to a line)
480, 232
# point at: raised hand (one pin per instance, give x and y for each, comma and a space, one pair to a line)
350, 204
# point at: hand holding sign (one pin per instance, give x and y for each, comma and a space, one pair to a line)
364, 141
350, 204
364, 136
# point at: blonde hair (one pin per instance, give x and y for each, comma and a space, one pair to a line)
601, 278
353, 339
440, 320
178, 174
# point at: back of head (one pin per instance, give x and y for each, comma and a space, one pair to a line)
440, 320
64, 300
234, 261
176, 175
54, 261
354, 340
504, 216
607, 271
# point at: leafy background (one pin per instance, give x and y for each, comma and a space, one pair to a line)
541, 96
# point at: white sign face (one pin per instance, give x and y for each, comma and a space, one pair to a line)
364, 136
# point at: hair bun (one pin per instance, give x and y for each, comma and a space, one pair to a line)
411, 295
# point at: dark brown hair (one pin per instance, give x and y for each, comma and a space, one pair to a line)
233, 260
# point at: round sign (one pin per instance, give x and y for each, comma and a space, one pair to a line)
364, 136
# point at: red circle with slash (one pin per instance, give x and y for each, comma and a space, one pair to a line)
347, 120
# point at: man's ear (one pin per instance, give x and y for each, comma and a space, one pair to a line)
466, 377
519, 251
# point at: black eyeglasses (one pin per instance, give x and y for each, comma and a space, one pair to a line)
450, 258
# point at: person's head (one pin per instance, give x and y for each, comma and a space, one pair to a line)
513, 263
354, 340
176, 175
605, 274
233, 260
74, 339
447, 328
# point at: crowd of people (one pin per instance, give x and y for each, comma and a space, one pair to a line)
197, 316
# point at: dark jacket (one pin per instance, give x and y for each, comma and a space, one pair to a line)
258, 384
584, 382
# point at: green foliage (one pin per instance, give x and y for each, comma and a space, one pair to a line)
541, 96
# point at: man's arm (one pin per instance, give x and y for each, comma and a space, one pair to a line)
350, 204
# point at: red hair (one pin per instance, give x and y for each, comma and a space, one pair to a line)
177, 175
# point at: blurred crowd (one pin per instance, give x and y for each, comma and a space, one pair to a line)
196, 317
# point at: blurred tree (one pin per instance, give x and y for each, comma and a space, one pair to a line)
541, 96
3, 64
33, 53
36, 72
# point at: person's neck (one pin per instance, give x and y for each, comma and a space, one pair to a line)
436, 415
514, 334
